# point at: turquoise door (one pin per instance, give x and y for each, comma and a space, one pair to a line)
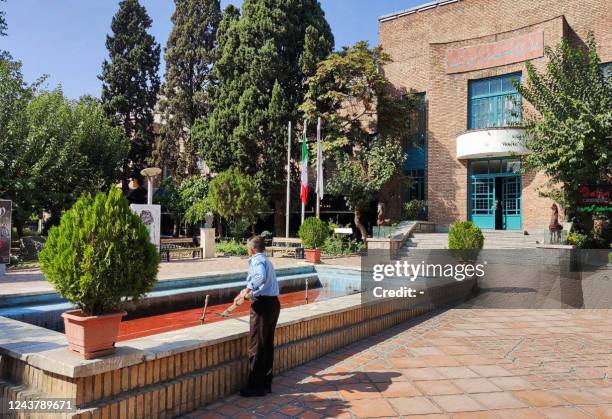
511, 202
483, 201
494, 199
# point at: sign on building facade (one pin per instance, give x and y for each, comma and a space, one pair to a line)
508, 51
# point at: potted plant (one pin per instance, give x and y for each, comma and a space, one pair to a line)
98, 257
313, 233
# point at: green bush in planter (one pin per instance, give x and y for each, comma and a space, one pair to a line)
100, 254
465, 238
313, 232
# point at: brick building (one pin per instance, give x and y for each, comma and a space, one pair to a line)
461, 56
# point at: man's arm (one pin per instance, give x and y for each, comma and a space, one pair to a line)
257, 277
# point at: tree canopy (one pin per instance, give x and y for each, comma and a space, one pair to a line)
51, 149
130, 81
364, 119
190, 53
265, 56
569, 132
235, 197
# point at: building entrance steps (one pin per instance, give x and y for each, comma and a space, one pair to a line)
494, 239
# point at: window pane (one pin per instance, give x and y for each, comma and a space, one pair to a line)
511, 166
480, 167
479, 87
494, 102
494, 166
508, 85
495, 85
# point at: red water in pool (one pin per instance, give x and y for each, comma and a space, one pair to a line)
152, 325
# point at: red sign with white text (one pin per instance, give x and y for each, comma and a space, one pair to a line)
508, 51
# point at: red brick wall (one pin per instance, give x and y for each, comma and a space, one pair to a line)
418, 44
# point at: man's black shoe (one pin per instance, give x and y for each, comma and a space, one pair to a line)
268, 389
248, 392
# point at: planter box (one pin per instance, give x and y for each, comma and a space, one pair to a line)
312, 255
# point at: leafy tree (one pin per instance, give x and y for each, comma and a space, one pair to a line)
100, 254
364, 117
265, 55
190, 53
52, 150
130, 81
167, 196
193, 192
182, 199
570, 132
235, 197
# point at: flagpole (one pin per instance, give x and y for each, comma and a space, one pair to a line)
287, 209
304, 206
319, 168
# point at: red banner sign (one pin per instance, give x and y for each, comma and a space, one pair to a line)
508, 51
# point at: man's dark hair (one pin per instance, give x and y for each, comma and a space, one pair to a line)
257, 243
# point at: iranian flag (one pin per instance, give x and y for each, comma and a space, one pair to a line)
304, 170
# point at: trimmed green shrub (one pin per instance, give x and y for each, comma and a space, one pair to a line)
313, 232
465, 235
100, 254
414, 210
231, 248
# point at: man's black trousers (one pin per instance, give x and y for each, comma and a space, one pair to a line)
264, 315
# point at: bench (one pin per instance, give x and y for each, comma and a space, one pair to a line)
178, 241
179, 249
285, 245
180, 253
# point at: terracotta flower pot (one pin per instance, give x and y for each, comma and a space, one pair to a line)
312, 255
92, 336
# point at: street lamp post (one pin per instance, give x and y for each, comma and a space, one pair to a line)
150, 173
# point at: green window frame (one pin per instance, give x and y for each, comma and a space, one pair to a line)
494, 102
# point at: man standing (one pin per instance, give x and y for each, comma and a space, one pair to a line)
262, 289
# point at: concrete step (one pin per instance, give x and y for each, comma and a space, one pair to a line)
494, 239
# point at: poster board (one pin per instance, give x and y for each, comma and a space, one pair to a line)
5, 231
151, 217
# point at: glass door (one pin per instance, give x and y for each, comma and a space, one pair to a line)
511, 202
482, 201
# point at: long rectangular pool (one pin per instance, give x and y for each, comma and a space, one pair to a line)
178, 303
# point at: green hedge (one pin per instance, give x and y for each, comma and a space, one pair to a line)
231, 248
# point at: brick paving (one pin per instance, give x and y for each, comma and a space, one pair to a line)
460, 363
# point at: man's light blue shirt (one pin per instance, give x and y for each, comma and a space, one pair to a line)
262, 277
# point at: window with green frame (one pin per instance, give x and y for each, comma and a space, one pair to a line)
494, 102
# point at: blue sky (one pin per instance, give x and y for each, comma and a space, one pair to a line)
65, 38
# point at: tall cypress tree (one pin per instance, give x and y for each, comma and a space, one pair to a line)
130, 80
4, 55
190, 53
265, 56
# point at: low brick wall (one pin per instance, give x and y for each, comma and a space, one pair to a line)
164, 382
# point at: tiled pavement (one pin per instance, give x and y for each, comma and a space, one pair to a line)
460, 363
